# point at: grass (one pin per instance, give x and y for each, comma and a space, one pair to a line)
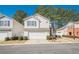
13, 42
59, 40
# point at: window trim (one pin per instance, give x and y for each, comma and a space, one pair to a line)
4, 23
31, 23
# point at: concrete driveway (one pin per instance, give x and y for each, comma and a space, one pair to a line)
37, 41
41, 49
57, 41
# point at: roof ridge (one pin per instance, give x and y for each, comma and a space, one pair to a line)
34, 16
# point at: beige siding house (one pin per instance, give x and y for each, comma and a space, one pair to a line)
18, 28
36, 27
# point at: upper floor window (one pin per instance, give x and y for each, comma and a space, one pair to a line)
31, 23
4, 23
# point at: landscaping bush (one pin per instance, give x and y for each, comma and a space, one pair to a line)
7, 39
14, 38
49, 37
21, 38
25, 38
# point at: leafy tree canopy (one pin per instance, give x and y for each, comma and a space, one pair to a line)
19, 15
63, 16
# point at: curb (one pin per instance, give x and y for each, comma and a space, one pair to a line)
40, 43
10, 44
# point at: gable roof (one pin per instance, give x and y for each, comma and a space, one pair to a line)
69, 24
35, 16
4, 16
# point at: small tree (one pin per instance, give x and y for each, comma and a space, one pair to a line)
19, 15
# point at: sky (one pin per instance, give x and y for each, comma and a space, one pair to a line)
9, 10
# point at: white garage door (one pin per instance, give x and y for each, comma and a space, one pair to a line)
38, 35
3, 35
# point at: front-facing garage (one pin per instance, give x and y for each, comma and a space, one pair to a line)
4, 34
36, 35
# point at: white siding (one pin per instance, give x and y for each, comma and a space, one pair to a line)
9, 34
25, 33
42, 22
6, 30
7, 19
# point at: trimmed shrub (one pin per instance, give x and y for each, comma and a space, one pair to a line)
21, 38
25, 38
7, 39
49, 37
14, 38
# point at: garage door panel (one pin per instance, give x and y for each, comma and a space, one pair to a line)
3, 35
37, 35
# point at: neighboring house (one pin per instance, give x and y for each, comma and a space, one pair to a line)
10, 27
18, 28
71, 29
62, 31
6, 25
36, 27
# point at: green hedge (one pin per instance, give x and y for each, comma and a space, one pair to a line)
7, 39
16, 38
51, 37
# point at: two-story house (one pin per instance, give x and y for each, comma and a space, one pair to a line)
36, 27
9, 27
6, 25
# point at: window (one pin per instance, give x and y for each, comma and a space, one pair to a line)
1, 23
77, 33
70, 33
8, 23
31, 23
4, 23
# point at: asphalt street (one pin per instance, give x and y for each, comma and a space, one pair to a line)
40, 49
